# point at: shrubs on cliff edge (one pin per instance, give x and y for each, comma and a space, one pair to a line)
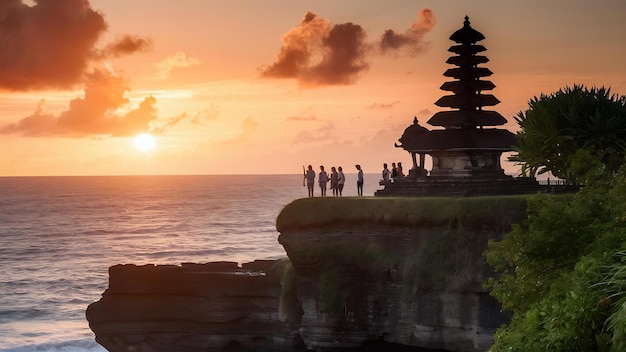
562, 271
558, 125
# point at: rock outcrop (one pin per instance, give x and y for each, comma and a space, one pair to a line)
404, 276
216, 306
368, 274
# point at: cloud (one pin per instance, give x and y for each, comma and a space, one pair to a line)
317, 54
302, 118
248, 129
382, 106
324, 133
126, 45
424, 113
169, 123
179, 59
307, 115
210, 113
48, 45
95, 114
51, 44
412, 41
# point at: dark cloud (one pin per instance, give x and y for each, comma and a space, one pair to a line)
413, 39
51, 44
95, 114
316, 53
126, 45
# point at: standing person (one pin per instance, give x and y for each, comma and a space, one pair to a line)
394, 172
323, 180
309, 175
400, 172
359, 180
386, 173
334, 177
341, 179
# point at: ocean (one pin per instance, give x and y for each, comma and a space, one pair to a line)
59, 236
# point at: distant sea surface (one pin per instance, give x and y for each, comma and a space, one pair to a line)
59, 236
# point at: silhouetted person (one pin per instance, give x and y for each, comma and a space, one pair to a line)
323, 180
309, 175
359, 180
334, 177
400, 171
394, 171
386, 173
341, 179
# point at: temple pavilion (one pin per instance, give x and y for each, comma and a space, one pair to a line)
465, 146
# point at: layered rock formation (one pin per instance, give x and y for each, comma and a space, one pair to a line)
195, 307
400, 271
368, 274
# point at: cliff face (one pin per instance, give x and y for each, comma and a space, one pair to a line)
372, 274
411, 275
194, 307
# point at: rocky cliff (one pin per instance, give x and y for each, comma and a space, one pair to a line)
375, 274
396, 270
216, 306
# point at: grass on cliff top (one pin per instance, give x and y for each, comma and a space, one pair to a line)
400, 211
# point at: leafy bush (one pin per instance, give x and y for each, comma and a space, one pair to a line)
558, 125
562, 271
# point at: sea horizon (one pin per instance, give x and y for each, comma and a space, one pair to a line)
60, 235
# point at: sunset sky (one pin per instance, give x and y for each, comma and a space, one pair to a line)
266, 86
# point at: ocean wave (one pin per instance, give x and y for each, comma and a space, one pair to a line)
60, 236
82, 345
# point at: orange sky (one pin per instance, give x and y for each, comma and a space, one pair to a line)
249, 86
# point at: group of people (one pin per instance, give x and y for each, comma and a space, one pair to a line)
336, 178
394, 174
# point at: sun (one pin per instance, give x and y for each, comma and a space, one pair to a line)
144, 142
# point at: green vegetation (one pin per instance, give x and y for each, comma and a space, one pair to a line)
289, 293
558, 126
498, 211
562, 271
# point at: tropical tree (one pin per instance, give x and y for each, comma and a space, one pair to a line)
556, 126
562, 271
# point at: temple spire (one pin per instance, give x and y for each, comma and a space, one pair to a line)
467, 98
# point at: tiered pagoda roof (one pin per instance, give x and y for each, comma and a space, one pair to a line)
468, 86
464, 124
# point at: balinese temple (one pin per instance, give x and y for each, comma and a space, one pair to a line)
465, 146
